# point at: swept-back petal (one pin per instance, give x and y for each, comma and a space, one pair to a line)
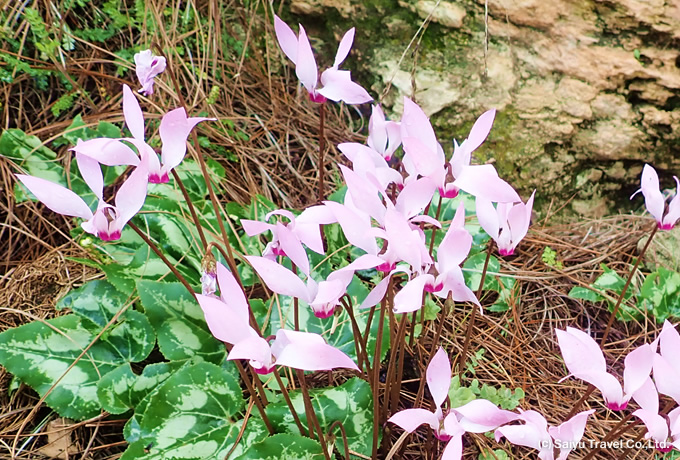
292, 246
454, 282
338, 86
309, 352
57, 198
534, 433
279, 279
438, 376
174, 131
580, 352
405, 242
305, 66
286, 38
410, 419
415, 196
657, 426
481, 415
425, 160
488, 217
649, 186
254, 348
356, 225
414, 123
673, 214
454, 448
344, 47
410, 298
92, 174
666, 378
134, 119
231, 292
570, 432
482, 181
225, 321
132, 194
480, 131
109, 152
454, 248
637, 367
255, 227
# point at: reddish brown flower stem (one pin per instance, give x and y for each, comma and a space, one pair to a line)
625, 286
473, 315
286, 396
312, 419
204, 170
192, 210
165, 260
322, 148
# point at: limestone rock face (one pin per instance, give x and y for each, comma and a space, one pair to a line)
587, 91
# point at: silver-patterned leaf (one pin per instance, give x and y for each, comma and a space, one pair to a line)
40, 353
179, 323
194, 415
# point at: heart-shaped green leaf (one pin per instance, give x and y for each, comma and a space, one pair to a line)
179, 323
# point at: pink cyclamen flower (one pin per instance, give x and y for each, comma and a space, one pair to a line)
507, 223
584, 360
147, 67
107, 221
322, 297
174, 130
453, 250
536, 433
337, 84
287, 239
424, 156
664, 431
478, 416
655, 202
228, 321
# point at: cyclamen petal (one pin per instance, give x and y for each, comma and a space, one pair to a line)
308, 352
174, 130
57, 198
132, 112
438, 376
410, 419
224, 320
279, 279
287, 39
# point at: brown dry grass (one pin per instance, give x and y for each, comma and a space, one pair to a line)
278, 161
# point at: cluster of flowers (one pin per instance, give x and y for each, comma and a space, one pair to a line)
107, 221
383, 215
481, 416
585, 361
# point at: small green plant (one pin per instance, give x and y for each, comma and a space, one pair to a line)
549, 257
502, 396
659, 293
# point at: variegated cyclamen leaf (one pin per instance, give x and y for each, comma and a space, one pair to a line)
179, 322
192, 415
350, 403
121, 389
132, 430
95, 300
132, 337
39, 353
284, 446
